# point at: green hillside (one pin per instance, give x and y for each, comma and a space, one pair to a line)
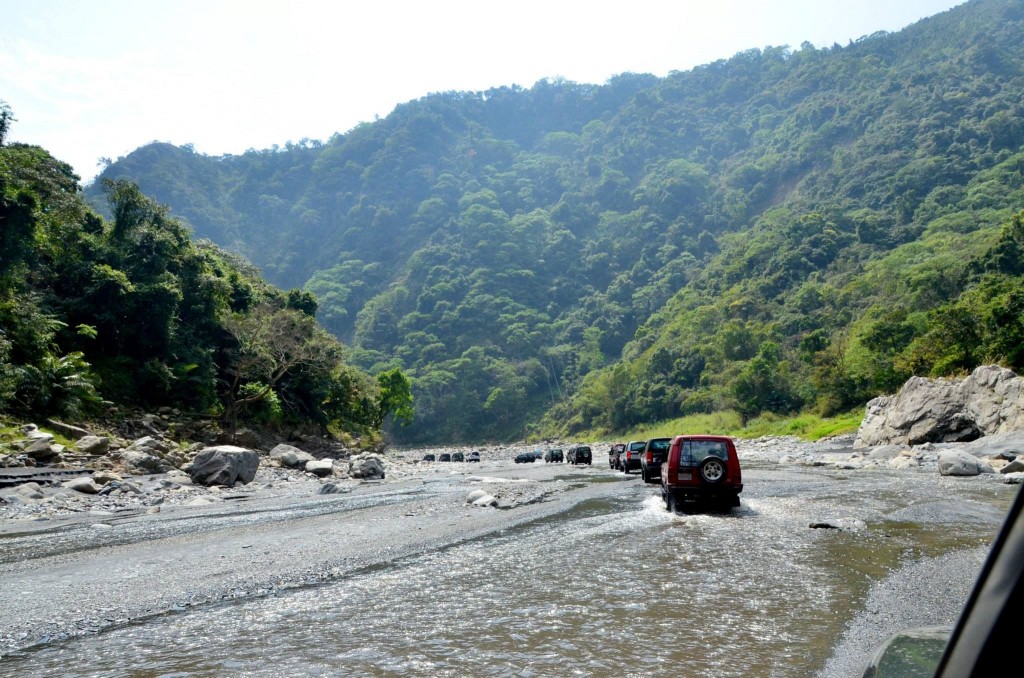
782, 230
98, 315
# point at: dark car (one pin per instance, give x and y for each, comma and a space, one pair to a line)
553, 456
458, 456
701, 470
445, 457
614, 454
652, 457
630, 459
579, 454
473, 456
525, 458
429, 457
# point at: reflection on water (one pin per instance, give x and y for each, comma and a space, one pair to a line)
609, 588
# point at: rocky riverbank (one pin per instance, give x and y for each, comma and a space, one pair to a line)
150, 474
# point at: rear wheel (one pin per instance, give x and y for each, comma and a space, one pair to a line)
670, 502
712, 470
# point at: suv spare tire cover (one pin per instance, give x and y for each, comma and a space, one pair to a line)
712, 470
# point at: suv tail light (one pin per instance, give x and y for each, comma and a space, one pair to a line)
629, 455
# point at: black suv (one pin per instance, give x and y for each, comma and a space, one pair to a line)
579, 454
655, 452
458, 456
429, 457
445, 457
552, 456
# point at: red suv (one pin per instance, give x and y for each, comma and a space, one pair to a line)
701, 469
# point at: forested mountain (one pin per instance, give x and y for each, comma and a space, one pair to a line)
131, 312
785, 229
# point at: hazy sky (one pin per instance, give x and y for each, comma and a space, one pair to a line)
94, 78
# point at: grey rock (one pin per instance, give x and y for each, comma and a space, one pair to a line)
224, 465
333, 488
487, 500
289, 456
366, 467
42, 449
67, 430
960, 463
1015, 466
140, 462
85, 485
90, 444
989, 401
474, 495
320, 467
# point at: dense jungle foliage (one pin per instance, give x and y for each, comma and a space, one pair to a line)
784, 230
131, 311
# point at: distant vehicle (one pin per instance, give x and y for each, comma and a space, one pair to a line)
651, 458
553, 456
525, 458
614, 453
445, 457
630, 458
429, 457
473, 456
458, 456
579, 454
701, 470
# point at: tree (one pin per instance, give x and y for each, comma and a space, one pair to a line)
6, 118
271, 344
395, 397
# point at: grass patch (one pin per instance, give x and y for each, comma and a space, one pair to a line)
804, 426
729, 423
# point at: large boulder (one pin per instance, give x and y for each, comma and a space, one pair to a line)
137, 462
990, 400
366, 467
224, 465
289, 456
961, 463
320, 467
90, 444
43, 449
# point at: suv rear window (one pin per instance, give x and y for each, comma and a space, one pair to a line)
661, 444
697, 450
636, 447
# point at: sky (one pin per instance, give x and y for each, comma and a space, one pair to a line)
91, 79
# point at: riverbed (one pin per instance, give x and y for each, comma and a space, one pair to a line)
579, 571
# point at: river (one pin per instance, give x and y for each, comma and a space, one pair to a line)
593, 578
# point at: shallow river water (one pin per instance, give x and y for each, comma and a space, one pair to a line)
611, 586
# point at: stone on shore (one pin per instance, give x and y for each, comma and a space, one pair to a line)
289, 456
366, 467
95, 445
960, 463
85, 485
320, 467
224, 465
990, 400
